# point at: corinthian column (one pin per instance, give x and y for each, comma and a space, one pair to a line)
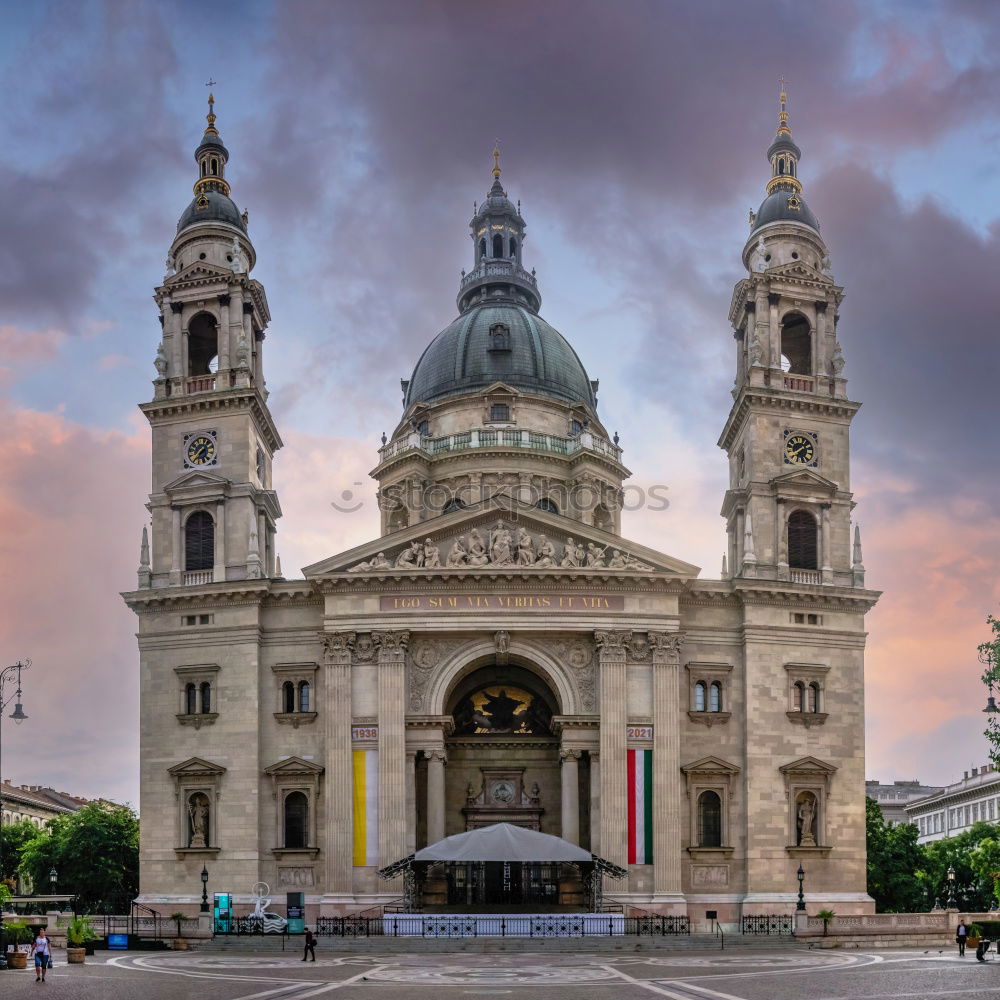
338, 834
570, 795
391, 746
666, 763
436, 760
612, 647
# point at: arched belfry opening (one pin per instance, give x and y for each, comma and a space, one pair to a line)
796, 345
203, 345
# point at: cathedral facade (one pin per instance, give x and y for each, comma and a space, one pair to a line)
501, 653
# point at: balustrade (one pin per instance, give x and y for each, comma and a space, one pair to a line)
806, 576
799, 384
505, 437
195, 577
201, 383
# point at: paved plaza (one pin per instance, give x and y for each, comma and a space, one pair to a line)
739, 975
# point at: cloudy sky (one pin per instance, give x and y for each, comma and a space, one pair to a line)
360, 133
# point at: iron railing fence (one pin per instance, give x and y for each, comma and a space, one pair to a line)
768, 923
481, 925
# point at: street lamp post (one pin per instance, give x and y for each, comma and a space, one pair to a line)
204, 889
951, 888
11, 674
800, 906
53, 881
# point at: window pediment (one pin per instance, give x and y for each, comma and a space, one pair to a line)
808, 766
710, 765
294, 767
196, 767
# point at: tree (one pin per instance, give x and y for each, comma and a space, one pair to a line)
989, 656
973, 884
95, 851
13, 837
894, 859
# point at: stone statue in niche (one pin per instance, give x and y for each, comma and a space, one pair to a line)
160, 361
756, 351
837, 362
806, 819
171, 268
237, 263
198, 820
243, 351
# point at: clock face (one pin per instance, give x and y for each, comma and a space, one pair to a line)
200, 450
799, 449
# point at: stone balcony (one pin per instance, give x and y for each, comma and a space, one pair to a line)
493, 269
500, 438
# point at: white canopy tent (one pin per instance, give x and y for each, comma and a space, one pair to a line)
504, 842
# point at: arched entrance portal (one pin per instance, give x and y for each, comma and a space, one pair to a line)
503, 766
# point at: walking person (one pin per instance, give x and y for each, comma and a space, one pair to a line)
961, 933
41, 949
310, 948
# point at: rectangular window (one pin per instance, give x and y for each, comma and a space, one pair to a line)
197, 619
500, 412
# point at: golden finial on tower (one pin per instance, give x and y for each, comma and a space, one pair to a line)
783, 128
210, 117
496, 161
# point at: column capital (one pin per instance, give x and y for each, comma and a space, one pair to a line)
612, 644
666, 646
773, 298
570, 754
436, 754
391, 643
177, 307
337, 647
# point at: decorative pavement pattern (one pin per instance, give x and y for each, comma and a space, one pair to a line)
744, 975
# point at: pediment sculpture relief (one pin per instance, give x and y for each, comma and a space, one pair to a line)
503, 546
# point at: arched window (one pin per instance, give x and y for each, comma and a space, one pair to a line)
791, 167
709, 820
203, 344
288, 697
715, 697
215, 165
796, 344
700, 692
800, 696
455, 503
814, 699
296, 815
304, 696
548, 505
781, 165
190, 699
206, 697
498, 245
500, 412
802, 540
199, 541
513, 248
482, 247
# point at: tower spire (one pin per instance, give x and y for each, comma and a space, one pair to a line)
496, 161
211, 157
784, 154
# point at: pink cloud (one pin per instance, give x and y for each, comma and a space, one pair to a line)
19, 345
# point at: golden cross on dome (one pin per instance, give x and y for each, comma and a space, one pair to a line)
496, 160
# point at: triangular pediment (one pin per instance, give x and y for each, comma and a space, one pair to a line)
199, 270
799, 270
500, 534
196, 767
710, 765
196, 479
293, 766
501, 387
808, 765
804, 478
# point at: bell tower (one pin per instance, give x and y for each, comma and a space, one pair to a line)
212, 506
789, 503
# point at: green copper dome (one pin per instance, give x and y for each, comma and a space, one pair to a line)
466, 357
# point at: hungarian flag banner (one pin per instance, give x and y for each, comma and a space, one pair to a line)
640, 807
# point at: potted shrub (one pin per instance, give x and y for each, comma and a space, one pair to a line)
180, 942
17, 933
826, 916
78, 932
975, 933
